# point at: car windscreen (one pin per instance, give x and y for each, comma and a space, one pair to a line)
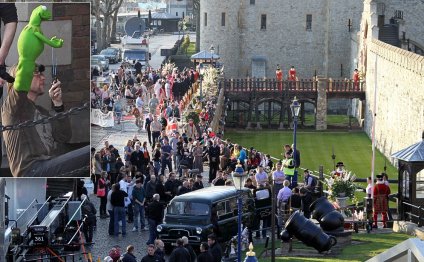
107, 52
95, 60
99, 58
181, 208
135, 55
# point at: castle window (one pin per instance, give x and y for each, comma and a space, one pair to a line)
223, 19
206, 19
176, 13
263, 22
398, 14
252, 2
309, 22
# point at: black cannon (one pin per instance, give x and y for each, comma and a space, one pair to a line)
307, 232
330, 220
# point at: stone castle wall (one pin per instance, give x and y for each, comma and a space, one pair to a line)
400, 96
224, 38
325, 49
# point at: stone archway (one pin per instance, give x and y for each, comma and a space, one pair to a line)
238, 112
268, 112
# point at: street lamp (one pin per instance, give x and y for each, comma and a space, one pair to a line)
273, 206
212, 50
239, 179
295, 110
201, 73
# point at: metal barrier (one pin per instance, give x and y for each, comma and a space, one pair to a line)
416, 217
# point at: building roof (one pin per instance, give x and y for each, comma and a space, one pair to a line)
414, 153
151, 6
164, 16
204, 55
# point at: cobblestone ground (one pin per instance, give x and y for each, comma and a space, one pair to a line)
104, 242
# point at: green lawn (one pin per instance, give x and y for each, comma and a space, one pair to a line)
332, 120
352, 148
369, 246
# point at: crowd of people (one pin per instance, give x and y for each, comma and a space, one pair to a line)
209, 252
129, 91
146, 175
136, 183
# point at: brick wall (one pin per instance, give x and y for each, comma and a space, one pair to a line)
76, 76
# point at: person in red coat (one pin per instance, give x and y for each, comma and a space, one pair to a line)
279, 77
381, 194
292, 74
355, 79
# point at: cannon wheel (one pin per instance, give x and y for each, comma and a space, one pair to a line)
333, 240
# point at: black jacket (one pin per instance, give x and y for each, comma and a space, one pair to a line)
205, 257
155, 211
213, 152
216, 251
198, 185
148, 258
128, 257
137, 159
191, 252
180, 254
89, 210
182, 190
306, 202
117, 199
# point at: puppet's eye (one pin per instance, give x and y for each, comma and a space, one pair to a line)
44, 7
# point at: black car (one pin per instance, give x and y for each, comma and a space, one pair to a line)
202, 212
112, 54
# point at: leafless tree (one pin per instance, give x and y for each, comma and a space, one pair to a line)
106, 13
115, 20
196, 13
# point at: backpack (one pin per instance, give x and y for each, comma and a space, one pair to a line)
89, 210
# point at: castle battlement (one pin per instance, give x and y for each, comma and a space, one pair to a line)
401, 57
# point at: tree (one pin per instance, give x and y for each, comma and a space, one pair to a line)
105, 9
196, 13
186, 43
96, 12
114, 21
149, 20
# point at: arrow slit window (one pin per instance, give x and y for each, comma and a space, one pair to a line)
309, 22
263, 22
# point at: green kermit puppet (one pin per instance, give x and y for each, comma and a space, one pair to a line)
30, 46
